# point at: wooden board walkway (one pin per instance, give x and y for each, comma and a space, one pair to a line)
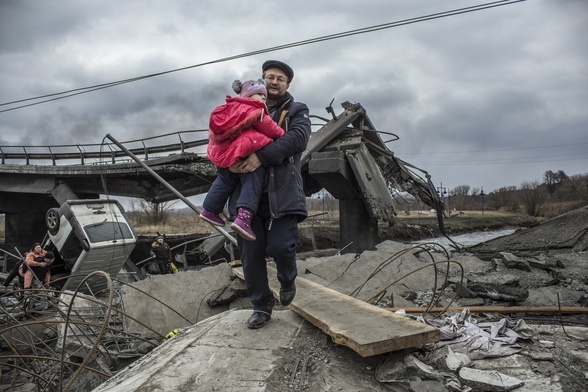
366, 329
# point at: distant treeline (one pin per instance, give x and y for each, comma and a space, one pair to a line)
556, 194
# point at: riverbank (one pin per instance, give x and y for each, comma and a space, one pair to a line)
324, 227
418, 225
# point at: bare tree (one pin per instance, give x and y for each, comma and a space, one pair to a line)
533, 196
504, 197
461, 190
554, 180
577, 188
460, 196
152, 213
549, 181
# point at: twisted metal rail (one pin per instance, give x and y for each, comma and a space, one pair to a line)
178, 142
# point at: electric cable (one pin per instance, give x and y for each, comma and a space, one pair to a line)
364, 30
429, 153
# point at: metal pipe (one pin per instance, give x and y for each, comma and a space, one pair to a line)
168, 186
501, 309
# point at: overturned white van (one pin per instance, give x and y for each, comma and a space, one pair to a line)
87, 236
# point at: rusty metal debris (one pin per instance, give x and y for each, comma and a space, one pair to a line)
66, 341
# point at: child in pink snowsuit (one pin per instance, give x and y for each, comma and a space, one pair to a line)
237, 129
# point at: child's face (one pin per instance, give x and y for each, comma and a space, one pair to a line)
259, 97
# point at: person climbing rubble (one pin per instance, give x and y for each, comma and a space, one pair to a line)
160, 263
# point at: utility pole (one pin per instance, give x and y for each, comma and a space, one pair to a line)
482, 196
441, 191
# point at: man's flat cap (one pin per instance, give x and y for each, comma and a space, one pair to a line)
278, 64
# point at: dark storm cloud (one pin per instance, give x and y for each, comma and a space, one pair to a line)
494, 80
37, 25
476, 119
79, 126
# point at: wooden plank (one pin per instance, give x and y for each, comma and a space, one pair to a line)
366, 329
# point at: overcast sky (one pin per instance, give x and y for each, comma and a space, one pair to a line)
488, 99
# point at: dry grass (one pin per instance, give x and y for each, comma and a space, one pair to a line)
191, 224
188, 224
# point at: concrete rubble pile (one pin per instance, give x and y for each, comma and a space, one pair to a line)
523, 351
491, 348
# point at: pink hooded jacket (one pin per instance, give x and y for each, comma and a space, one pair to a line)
239, 128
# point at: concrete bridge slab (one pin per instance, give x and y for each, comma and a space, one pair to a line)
202, 356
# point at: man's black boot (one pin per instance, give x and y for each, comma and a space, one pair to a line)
287, 294
258, 320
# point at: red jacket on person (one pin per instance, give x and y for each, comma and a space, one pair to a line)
239, 128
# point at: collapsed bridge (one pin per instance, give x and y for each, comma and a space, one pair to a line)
346, 156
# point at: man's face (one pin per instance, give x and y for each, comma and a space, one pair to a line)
277, 83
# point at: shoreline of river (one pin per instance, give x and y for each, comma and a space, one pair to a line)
422, 226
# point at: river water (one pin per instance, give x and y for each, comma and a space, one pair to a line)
469, 239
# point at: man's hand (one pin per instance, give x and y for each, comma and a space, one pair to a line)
247, 165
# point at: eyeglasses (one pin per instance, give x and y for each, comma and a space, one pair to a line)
279, 79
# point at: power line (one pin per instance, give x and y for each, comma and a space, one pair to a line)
494, 150
364, 30
506, 161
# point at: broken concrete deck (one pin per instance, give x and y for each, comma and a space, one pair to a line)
201, 357
564, 233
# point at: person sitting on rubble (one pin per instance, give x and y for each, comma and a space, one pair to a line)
237, 129
44, 273
161, 257
38, 262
